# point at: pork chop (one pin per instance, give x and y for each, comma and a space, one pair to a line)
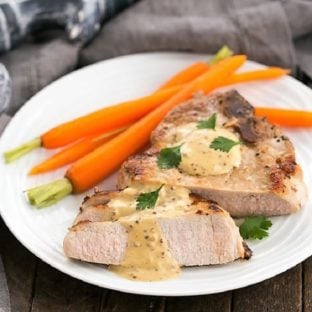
198, 232
267, 181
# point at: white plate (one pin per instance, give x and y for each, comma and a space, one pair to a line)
42, 231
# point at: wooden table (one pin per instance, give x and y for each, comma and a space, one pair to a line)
35, 286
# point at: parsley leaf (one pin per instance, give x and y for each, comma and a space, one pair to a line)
147, 200
169, 157
255, 227
209, 123
223, 144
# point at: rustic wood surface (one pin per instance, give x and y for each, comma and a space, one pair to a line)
35, 286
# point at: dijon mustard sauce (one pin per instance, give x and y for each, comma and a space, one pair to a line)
147, 257
198, 158
170, 198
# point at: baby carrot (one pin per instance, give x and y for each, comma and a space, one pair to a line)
74, 152
186, 75
111, 118
286, 117
104, 120
95, 166
127, 112
253, 75
194, 70
136, 113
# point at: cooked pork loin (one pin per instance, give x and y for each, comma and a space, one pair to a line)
268, 181
198, 232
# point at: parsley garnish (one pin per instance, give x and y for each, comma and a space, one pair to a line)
147, 200
223, 144
169, 157
209, 123
255, 227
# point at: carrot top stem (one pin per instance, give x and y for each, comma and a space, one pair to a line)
48, 194
21, 150
222, 54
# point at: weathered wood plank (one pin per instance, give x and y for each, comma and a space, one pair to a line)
122, 302
55, 291
214, 303
282, 293
307, 285
20, 266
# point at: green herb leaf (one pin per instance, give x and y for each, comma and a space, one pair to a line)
223, 144
209, 123
255, 227
147, 200
169, 157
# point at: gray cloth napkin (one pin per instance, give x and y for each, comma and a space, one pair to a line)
268, 31
271, 32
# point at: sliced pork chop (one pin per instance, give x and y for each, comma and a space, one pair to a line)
201, 233
268, 180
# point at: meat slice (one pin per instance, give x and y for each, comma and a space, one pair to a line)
268, 180
200, 234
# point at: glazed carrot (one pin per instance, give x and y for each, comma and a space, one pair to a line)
106, 119
95, 166
248, 76
118, 115
134, 110
74, 152
114, 117
286, 117
267, 73
186, 75
194, 70
103, 120
253, 75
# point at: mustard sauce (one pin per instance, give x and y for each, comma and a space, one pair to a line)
198, 158
147, 257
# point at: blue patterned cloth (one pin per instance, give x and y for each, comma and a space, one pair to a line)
80, 18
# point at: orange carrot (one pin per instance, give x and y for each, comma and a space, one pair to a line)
286, 117
74, 152
248, 76
112, 118
81, 148
133, 110
106, 119
197, 69
95, 166
260, 74
186, 75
